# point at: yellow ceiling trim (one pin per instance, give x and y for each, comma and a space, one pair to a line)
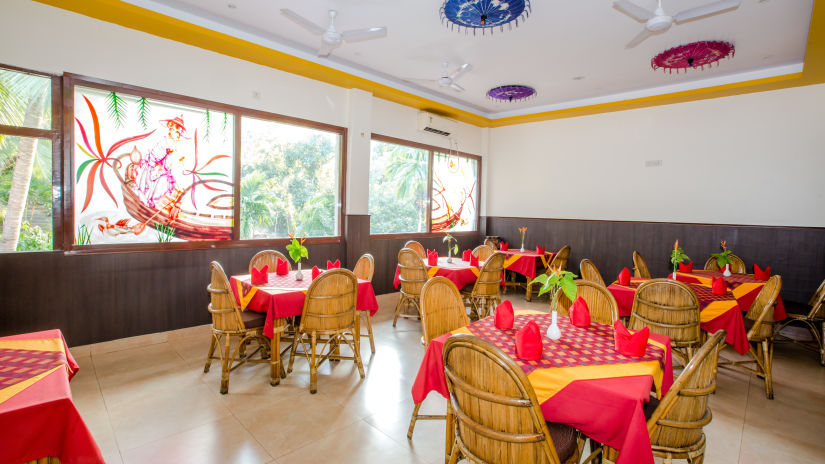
141, 19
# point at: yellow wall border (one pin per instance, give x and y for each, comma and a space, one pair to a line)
141, 19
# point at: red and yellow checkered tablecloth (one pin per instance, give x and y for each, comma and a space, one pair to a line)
525, 262
745, 288
458, 272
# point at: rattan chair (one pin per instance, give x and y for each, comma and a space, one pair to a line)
442, 311
329, 318
364, 269
490, 243
601, 303
737, 266
413, 275
228, 322
267, 257
760, 324
640, 269
497, 415
482, 252
813, 318
590, 272
669, 308
486, 292
559, 261
416, 247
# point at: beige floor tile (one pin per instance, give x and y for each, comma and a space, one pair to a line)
127, 343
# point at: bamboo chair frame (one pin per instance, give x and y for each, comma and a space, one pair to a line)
48, 460
417, 248
559, 261
601, 303
228, 323
737, 266
442, 311
413, 276
760, 335
482, 252
490, 243
364, 270
486, 292
814, 317
329, 318
268, 257
640, 269
669, 308
590, 272
497, 414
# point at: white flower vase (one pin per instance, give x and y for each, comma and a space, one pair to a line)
553, 332
522, 246
674, 274
299, 275
450, 255
727, 270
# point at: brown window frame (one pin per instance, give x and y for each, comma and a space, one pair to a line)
70, 80
432, 149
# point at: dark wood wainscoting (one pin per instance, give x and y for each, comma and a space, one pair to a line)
796, 253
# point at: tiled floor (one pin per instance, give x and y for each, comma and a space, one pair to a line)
147, 400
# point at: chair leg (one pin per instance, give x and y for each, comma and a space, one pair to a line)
450, 438
822, 346
412, 421
767, 352
298, 335
313, 368
397, 309
212, 347
369, 331
275, 360
357, 346
226, 364
455, 454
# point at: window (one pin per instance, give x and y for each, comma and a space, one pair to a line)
418, 189
27, 135
289, 180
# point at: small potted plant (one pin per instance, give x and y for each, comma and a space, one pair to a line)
677, 256
451, 247
523, 231
552, 283
297, 251
723, 259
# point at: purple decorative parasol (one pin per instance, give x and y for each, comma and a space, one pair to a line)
511, 93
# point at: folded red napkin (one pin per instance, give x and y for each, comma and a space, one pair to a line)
281, 267
473, 260
504, 315
528, 342
719, 286
540, 250
316, 272
627, 343
504, 246
335, 265
761, 274
260, 276
687, 268
624, 277
466, 255
432, 258
579, 313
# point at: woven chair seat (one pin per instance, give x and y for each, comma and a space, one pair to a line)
565, 438
251, 319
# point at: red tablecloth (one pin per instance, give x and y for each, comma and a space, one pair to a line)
458, 272
608, 409
525, 262
283, 296
745, 288
40, 420
715, 311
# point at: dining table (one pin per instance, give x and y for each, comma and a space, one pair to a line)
525, 263
580, 379
745, 288
715, 311
459, 272
38, 418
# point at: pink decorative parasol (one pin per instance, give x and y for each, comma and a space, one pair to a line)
693, 55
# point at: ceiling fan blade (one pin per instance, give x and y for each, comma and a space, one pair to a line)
364, 34
633, 10
460, 70
456, 87
425, 81
639, 38
303, 22
326, 49
706, 10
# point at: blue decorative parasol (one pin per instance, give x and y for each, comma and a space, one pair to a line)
484, 14
511, 93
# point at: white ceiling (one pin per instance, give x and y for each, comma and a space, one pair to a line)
559, 41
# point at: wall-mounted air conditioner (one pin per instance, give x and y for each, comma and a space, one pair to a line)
434, 124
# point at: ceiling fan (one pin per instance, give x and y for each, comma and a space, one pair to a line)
658, 21
330, 37
448, 78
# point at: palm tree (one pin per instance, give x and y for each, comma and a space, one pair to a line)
256, 202
408, 169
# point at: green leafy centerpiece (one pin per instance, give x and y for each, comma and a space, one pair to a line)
297, 251
451, 247
677, 256
557, 280
723, 259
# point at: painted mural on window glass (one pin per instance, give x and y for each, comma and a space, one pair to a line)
149, 171
455, 193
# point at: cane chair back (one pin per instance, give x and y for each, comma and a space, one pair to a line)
482, 252
559, 260
600, 302
675, 426
489, 278
669, 308
590, 272
737, 266
364, 267
330, 302
640, 269
490, 243
412, 272
498, 418
226, 315
269, 258
817, 302
417, 248
761, 311
442, 308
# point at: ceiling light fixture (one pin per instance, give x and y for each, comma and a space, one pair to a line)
693, 55
483, 14
511, 93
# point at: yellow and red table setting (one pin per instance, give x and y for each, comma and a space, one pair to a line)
458, 272
283, 296
745, 288
580, 379
37, 416
715, 311
525, 262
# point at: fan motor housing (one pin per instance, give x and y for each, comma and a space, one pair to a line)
659, 23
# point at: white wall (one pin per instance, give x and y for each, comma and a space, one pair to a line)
750, 159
